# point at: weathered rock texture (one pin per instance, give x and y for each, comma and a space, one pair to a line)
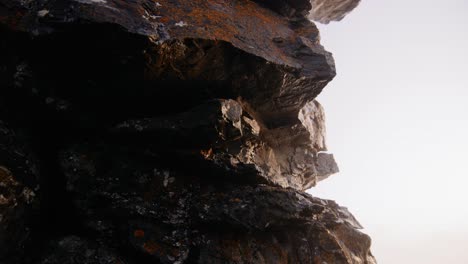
18, 186
167, 132
325, 11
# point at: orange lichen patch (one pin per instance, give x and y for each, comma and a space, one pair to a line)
244, 23
151, 247
236, 200
139, 233
207, 154
164, 19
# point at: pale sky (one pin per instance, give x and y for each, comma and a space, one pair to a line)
397, 122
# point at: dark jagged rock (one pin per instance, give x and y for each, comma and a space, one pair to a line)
18, 187
221, 133
167, 132
325, 11
260, 57
176, 216
272, 73
284, 226
75, 250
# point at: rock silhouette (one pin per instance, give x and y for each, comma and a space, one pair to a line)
165, 131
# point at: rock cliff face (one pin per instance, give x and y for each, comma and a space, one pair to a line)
325, 11
165, 131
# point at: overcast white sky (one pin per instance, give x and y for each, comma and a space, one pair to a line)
397, 117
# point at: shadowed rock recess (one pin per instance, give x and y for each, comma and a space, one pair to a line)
167, 131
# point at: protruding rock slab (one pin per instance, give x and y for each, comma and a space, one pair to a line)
88, 65
222, 134
178, 215
325, 11
273, 64
275, 225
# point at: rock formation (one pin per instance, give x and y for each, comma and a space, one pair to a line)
167, 131
325, 11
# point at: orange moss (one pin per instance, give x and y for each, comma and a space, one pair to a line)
207, 153
139, 233
152, 247
243, 23
236, 200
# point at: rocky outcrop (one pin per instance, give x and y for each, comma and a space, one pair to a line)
272, 70
221, 135
325, 11
175, 216
76, 250
166, 132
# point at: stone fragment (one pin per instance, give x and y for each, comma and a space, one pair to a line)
167, 131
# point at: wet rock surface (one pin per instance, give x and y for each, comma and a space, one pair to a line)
235, 49
167, 132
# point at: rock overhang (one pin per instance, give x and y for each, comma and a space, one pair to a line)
167, 57
282, 65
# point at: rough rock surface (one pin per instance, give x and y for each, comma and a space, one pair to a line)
76, 250
272, 70
173, 215
18, 184
271, 64
230, 139
167, 132
325, 11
